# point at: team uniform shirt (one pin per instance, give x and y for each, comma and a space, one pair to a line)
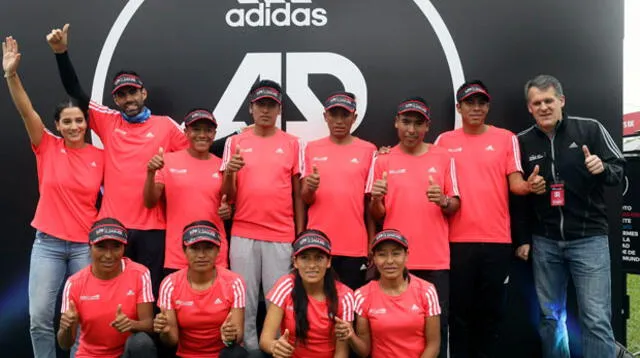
128, 147
343, 173
264, 201
397, 323
200, 314
97, 301
68, 181
320, 338
192, 192
407, 207
483, 162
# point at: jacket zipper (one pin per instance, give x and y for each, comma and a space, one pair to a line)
555, 179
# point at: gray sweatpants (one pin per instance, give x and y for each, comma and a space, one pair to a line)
257, 261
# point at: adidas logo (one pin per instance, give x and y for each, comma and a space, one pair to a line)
415, 308
218, 301
93, 164
573, 145
363, 267
130, 293
149, 135
215, 175
432, 170
489, 147
279, 151
280, 13
355, 161
63, 151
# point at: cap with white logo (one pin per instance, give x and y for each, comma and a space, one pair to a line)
311, 239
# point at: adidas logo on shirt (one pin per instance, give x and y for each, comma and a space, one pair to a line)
218, 301
415, 308
279, 151
130, 293
573, 145
355, 161
432, 170
489, 147
215, 175
363, 267
63, 151
93, 164
149, 135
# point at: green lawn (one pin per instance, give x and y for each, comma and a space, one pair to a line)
633, 324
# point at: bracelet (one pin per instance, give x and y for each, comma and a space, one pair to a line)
10, 75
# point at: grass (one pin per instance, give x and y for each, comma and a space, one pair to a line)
633, 324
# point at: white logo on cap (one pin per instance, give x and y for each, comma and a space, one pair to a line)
280, 13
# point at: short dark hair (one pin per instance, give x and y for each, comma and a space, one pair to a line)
343, 93
266, 83
107, 221
200, 223
417, 99
69, 103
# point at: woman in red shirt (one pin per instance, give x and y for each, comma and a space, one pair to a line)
111, 300
70, 172
398, 313
305, 304
202, 306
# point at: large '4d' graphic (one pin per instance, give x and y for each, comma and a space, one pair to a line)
291, 41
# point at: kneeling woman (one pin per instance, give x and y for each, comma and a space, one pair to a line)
202, 305
398, 313
111, 299
305, 304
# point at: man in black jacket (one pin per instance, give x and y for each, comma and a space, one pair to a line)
568, 226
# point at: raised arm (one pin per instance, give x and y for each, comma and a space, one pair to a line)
10, 61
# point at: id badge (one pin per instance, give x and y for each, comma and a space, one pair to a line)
557, 194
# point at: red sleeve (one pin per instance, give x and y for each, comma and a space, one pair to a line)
451, 180
165, 300
177, 139
239, 292
347, 305
68, 295
438, 141
307, 160
298, 162
144, 294
229, 150
280, 291
375, 171
431, 303
360, 302
513, 163
48, 141
102, 119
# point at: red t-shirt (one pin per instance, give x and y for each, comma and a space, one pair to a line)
320, 338
68, 181
264, 202
200, 314
96, 302
343, 174
128, 147
192, 192
483, 162
397, 322
409, 210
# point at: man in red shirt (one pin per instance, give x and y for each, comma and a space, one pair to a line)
488, 165
262, 176
413, 189
336, 170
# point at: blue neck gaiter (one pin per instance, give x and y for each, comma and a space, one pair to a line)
138, 118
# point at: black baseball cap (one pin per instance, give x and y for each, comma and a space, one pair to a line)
200, 232
199, 114
311, 240
107, 230
415, 106
266, 92
126, 80
342, 101
390, 235
471, 90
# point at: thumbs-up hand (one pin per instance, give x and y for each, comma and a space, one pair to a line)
537, 184
122, 323
434, 192
313, 180
228, 330
379, 189
224, 210
156, 162
236, 162
592, 162
161, 322
58, 39
344, 329
69, 318
280, 348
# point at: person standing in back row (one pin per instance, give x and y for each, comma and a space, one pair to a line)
336, 170
262, 176
488, 166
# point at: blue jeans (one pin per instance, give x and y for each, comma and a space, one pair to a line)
52, 259
587, 261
